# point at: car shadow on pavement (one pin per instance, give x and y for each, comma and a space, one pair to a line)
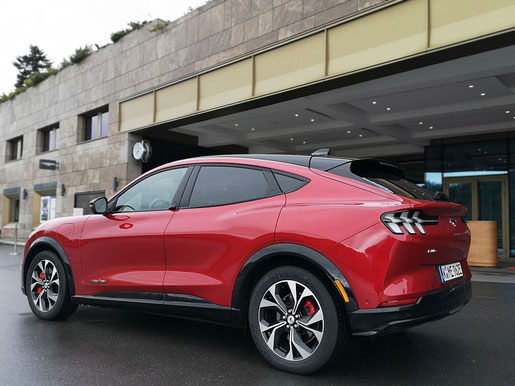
135, 343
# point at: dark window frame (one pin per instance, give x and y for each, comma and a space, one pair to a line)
272, 186
87, 117
41, 136
111, 205
10, 146
304, 180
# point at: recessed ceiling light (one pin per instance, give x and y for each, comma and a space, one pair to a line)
479, 149
296, 115
471, 86
304, 142
431, 127
388, 108
507, 111
374, 102
421, 123
348, 131
483, 93
361, 135
252, 129
312, 119
236, 124
291, 139
513, 117
500, 159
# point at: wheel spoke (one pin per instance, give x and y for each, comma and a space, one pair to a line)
309, 320
318, 334
36, 278
54, 272
277, 298
273, 334
38, 301
40, 266
52, 297
289, 354
265, 327
265, 303
292, 286
299, 345
305, 293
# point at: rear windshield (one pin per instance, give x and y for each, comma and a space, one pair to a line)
382, 175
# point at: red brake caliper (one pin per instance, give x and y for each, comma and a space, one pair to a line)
309, 308
42, 277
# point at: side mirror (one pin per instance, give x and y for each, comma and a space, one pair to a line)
99, 205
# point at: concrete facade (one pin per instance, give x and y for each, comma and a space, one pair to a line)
217, 32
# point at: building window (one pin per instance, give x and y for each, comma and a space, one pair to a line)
82, 200
96, 125
14, 149
48, 139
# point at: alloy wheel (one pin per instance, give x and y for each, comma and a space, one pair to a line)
44, 285
291, 320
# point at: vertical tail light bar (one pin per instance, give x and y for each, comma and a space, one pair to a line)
409, 220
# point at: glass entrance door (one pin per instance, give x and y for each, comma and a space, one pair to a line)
487, 199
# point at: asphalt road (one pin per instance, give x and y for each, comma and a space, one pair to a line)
102, 346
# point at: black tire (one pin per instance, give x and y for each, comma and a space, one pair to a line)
63, 306
334, 324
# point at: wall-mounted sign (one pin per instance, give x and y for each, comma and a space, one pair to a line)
48, 164
141, 151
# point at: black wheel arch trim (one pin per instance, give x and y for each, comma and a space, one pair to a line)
292, 250
58, 249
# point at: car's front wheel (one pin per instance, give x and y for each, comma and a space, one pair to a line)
294, 321
47, 290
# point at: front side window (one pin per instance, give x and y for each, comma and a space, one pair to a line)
221, 185
153, 193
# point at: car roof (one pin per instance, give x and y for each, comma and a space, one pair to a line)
315, 162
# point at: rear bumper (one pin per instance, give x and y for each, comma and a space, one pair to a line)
433, 306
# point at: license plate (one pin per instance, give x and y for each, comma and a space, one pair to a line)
450, 272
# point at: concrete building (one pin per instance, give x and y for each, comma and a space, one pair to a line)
426, 83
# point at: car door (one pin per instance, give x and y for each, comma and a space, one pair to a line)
227, 213
123, 250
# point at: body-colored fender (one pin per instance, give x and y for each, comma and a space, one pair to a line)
300, 253
47, 243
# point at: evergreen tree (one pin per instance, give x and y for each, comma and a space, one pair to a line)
29, 64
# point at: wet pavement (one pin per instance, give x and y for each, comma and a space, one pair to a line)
103, 346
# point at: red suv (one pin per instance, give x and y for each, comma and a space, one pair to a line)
305, 251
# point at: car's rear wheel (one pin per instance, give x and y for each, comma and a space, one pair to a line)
47, 287
294, 321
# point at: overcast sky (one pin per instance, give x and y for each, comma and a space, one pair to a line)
60, 26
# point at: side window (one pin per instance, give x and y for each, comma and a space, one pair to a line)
289, 183
221, 185
153, 193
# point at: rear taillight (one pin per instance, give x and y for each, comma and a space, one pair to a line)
409, 220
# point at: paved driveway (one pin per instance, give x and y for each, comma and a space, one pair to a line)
103, 346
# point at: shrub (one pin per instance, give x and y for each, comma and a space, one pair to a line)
80, 54
159, 26
133, 25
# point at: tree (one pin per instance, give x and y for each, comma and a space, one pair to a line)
27, 65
